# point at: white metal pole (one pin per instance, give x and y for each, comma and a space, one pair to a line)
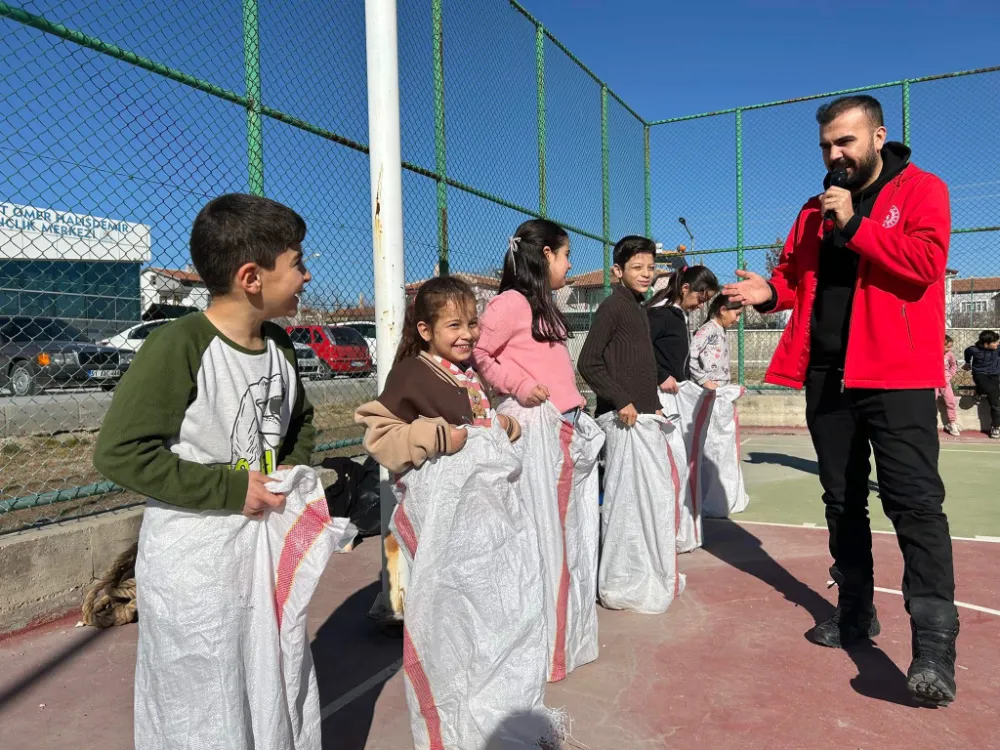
387, 215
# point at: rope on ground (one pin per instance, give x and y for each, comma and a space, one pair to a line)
111, 599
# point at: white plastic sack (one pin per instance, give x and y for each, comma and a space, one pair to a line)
638, 569
695, 412
559, 487
474, 650
721, 477
223, 658
677, 412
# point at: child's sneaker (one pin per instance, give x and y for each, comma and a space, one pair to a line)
952, 429
995, 433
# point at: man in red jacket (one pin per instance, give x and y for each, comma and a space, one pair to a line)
863, 273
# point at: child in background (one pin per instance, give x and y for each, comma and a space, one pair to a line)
617, 360
668, 310
709, 363
983, 358
638, 562
431, 388
522, 354
210, 406
948, 393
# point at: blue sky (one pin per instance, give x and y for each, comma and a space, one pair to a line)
86, 133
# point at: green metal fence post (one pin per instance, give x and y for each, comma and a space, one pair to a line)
740, 262
647, 183
906, 113
440, 153
251, 66
605, 191
540, 77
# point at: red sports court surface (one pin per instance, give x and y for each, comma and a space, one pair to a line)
726, 667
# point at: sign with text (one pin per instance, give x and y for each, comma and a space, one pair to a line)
32, 233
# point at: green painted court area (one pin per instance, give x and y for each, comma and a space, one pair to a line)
781, 477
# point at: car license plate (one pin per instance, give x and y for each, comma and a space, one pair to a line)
104, 373
358, 364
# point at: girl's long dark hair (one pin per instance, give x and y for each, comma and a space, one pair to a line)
432, 297
526, 270
698, 278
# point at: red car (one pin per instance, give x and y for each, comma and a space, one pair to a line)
342, 349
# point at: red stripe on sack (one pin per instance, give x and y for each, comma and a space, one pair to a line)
297, 543
564, 490
694, 461
739, 452
414, 671
675, 478
405, 529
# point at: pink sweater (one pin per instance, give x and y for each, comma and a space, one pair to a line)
950, 366
513, 363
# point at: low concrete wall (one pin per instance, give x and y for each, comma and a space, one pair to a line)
44, 572
772, 409
788, 409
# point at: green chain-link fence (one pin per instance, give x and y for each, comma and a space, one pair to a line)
121, 119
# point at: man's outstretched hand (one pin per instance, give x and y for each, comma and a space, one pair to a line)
753, 290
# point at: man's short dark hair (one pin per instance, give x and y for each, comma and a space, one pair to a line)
235, 229
830, 111
988, 337
631, 246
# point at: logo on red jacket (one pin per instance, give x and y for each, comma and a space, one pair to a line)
891, 218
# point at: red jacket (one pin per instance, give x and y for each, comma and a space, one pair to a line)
896, 332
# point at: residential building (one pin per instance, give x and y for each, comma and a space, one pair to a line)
172, 289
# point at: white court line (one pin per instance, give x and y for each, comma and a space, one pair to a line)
352, 695
988, 539
975, 607
744, 442
943, 450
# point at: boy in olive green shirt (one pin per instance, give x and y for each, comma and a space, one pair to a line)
211, 405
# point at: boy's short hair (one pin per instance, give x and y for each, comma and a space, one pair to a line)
628, 247
235, 229
988, 337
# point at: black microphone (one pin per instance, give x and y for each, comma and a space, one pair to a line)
836, 178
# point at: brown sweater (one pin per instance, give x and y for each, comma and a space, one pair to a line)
617, 358
411, 420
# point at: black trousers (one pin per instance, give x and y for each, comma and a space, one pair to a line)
901, 427
989, 386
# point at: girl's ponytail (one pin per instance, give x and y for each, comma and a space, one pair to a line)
698, 279
410, 343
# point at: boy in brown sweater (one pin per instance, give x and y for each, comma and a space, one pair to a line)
617, 359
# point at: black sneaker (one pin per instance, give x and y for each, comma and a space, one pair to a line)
995, 433
931, 676
849, 626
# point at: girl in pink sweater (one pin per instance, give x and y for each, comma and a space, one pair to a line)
522, 354
947, 394
522, 347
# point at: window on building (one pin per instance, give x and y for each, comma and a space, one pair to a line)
974, 307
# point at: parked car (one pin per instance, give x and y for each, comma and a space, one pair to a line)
310, 365
367, 330
342, 349
132, 338
38, 353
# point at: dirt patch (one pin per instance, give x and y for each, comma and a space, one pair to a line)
38, 465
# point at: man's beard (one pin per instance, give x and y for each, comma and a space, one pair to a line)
862, 170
